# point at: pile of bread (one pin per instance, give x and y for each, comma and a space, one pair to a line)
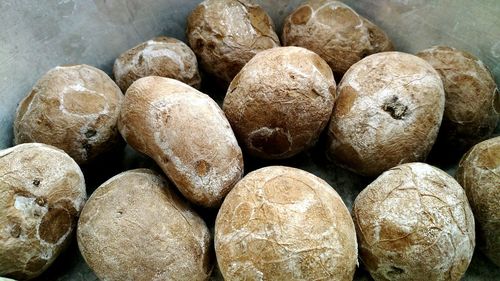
336, 78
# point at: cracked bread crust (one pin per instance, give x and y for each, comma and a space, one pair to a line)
388, 112
334, 31
135, 227
282, 223
42, 191
280, 102
479, 174
226, 34
414, 223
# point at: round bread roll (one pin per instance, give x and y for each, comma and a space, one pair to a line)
134, 227
281, 223
414, 223
479, 174
335, 32
161, 56
280, 102
388, 112
226, 34
472, 101
42, 191
74, 108
186, 133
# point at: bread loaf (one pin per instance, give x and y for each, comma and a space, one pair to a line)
186, 133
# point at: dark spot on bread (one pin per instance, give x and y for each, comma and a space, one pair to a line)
395, 108
35, 263
54, 225
270, 141
36, 182
202, 167
90, 133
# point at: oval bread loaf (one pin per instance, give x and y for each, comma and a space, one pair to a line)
42, 191
334, 31
161, 56
280, 102
281, 223
414, 223
388, 111
226, 34
472, 104
74, 108
186, 133
479, 174
134, 227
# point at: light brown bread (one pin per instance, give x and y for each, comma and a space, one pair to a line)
281, 223
414, 224
388, 111
472, 100
280, 102
186, 133
42, 191
226, 34
134, 227
479, 174
74, 108
334, 31
161, 56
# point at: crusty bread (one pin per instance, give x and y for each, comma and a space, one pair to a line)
335, 32
186, 133
388, 111
281, 223
226, 34
134, 227
42, 191
280, 102
472, 100
74, 108
161, 56
479, 174
414, 223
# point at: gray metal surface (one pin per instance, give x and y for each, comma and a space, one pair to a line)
38, 35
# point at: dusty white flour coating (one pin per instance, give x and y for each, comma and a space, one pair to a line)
134, 227
42, 191
285, 224
186, 133
414, 223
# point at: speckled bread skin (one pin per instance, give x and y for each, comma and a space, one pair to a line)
42, 191
226, 34
161, 56
479, 174
186, 133
74, 108
335, 32
282, 223
414, 223
280, 102
472, 101
388, 111
134, 227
